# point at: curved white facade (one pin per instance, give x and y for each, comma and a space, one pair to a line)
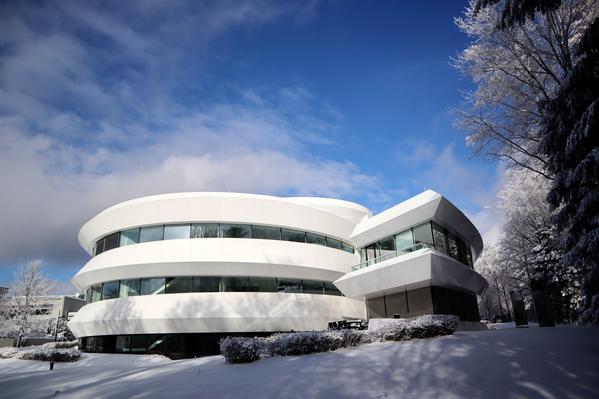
283, 253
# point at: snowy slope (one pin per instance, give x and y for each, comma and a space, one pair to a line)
519, 363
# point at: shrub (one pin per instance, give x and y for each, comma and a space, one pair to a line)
40, 353
244, 350
241, 349
49, 355
418, 327
303, 343
61, 344
7, 353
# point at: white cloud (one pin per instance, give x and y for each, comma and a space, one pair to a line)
93, 111
52, 187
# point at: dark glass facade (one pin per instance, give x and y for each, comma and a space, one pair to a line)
175, 346
176, 285
428, 234
214, 230
426, 300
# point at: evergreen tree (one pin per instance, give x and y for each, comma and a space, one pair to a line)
571, 141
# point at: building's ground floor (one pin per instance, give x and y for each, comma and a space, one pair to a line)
175, 346
425, 300
410, 303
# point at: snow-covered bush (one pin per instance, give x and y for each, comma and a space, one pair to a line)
61, 344
7, 353
244, 350
41, 353
241, 349
49, 355
303, 343
418, 327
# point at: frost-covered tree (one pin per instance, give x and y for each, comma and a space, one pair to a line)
528, 248
515, 68
495, 299
536, 67
571, 143
30, 283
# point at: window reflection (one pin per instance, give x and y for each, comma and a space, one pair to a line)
129, 237
110, 290
176, 231
312, 238
204, 230
173, 285
440, 238
151, 233
214, 230
152, 286
428, 233
293, 235
235, 231
266, 233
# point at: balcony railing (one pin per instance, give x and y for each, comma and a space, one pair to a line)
403, 251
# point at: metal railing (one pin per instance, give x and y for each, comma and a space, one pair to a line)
399, 252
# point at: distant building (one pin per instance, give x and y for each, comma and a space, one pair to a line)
45, 312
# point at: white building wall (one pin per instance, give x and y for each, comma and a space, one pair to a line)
214, 312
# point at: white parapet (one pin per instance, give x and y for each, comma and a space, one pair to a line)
214, 312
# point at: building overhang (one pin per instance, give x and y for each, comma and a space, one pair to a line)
428, 205
418, 269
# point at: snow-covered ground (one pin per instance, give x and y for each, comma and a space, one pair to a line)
518, 363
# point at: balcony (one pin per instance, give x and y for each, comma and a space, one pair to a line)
393, 254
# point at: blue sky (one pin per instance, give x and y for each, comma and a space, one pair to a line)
100, 103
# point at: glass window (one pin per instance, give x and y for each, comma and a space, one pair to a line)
99, 246
123, 343
206, 284
129, 237
235, 231
138, 343
313, 287
176, 231
88, 295
130, 288
266, 233
312, 238
259, 284
97, 293
175, 285
111, 242
110, 290
439, 237
152, 286
289, 285
235, 284
331, 242
462, 251
151, 233
452, 246
468, 255
330, 289
386, 246
423, 234
370, 252
204, 230
404, 241
363, 255
347, 248
293, 235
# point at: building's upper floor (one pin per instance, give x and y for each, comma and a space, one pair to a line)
278, 237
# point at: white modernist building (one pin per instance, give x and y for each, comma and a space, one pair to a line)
175, 273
